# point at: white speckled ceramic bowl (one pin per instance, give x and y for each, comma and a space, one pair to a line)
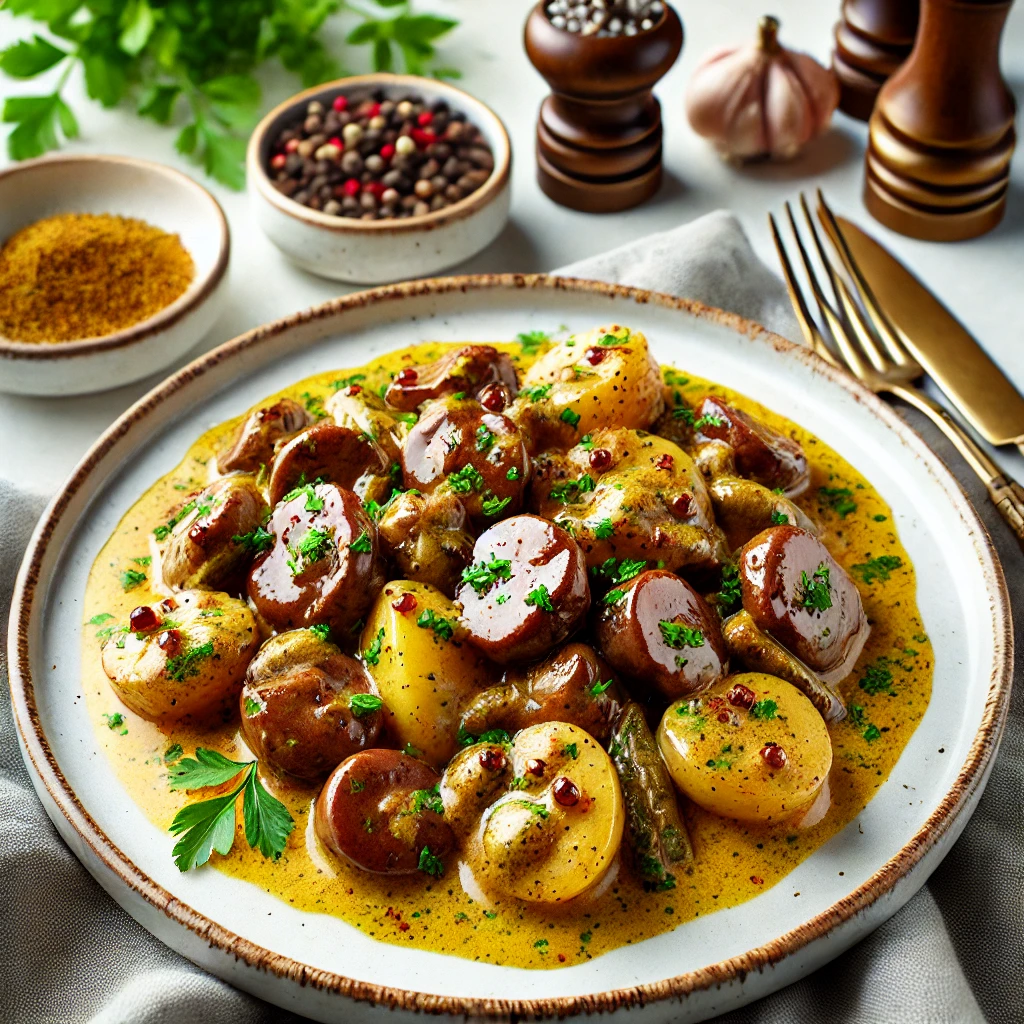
128, 187
375, 252
320, 966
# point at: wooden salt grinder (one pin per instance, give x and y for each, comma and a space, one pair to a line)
873, 38
941, 135
599, 132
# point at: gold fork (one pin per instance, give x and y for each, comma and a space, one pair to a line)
871, 351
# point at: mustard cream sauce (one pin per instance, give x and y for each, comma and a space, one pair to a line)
887, 694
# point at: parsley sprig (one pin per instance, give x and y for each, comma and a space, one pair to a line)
483, 575
194, 63
209, 825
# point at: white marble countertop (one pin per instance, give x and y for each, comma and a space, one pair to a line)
981, 280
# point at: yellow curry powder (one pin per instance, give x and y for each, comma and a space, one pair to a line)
83, 275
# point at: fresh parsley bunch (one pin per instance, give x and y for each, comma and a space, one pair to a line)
172, 56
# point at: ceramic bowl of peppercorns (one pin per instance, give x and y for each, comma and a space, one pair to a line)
379, 178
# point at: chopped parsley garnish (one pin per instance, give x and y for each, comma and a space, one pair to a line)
570, 417
571, 750
684, 413
132, 578
540, 598
362, 544
587, 443
495, 736
98, 620
872, 733
363, 704
494, 506
532, 341
315, 544
484, 439
513, 473
610, 339
162, 532
839, 499
613, 596
598, 688
815, 591
321, 630
314, 503
484, 574
210, 824
143, 560
538, 392
679, 636
519, 782
569, 491
116, 721
254, 707
186, 665
314, 404
256, 540
411, 751
376, 511
730, 595
779, 518
877, 679
765, 710
372, 653
443, 628
427, 800
709, 421
464, 480
855, 715
429, 864
691, 712
879, 518
356, 785
877, 568
347, 382
604, 529
501, 599
542, 944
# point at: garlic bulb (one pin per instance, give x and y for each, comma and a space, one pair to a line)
761, 100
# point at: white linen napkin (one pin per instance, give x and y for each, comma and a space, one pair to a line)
953, 955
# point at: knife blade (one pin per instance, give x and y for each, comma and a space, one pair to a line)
940, 343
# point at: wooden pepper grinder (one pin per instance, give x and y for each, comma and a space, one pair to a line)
873, 38
599, 132
941, 135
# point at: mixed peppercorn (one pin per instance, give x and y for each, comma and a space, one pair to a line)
367, 157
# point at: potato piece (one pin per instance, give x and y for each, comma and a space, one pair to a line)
416, 652
184, 658
557, 833
474, 778
753, 748
604, 377
630, 495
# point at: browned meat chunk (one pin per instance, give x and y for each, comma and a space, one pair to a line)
526, 591
469, 369
298, 715
262, 430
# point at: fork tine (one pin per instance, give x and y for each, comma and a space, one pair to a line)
849, 352
854, 317
895, 347
796, 296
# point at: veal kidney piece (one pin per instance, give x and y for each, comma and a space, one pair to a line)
799, 594
325, 564
254, 443
661, 633
526, 590
760, 453
468, 369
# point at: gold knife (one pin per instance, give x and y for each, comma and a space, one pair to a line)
939, 342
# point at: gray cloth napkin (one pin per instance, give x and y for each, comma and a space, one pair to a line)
954, 954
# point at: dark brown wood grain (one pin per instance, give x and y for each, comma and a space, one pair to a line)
942, 132
599, 132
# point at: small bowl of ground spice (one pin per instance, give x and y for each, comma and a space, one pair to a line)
379, 178
111, 268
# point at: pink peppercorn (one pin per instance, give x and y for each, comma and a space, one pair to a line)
351, 187
340, 103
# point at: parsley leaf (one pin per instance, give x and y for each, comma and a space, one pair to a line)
314, 503
321, 630
494, 506
484, 574
532, 341
132, 578
372, 653
443, 628
765, 710
540, 598
363, 704
570, 417
839, 499
430, 864
604, 529
185, 665
464, 480
678, 636
877, 568
815, 590
362, 544
256, 540
598, 688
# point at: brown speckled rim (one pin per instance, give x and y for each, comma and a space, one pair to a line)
188, 301
428, 87
29, 597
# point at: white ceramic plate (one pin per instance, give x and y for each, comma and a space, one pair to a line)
324, 968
